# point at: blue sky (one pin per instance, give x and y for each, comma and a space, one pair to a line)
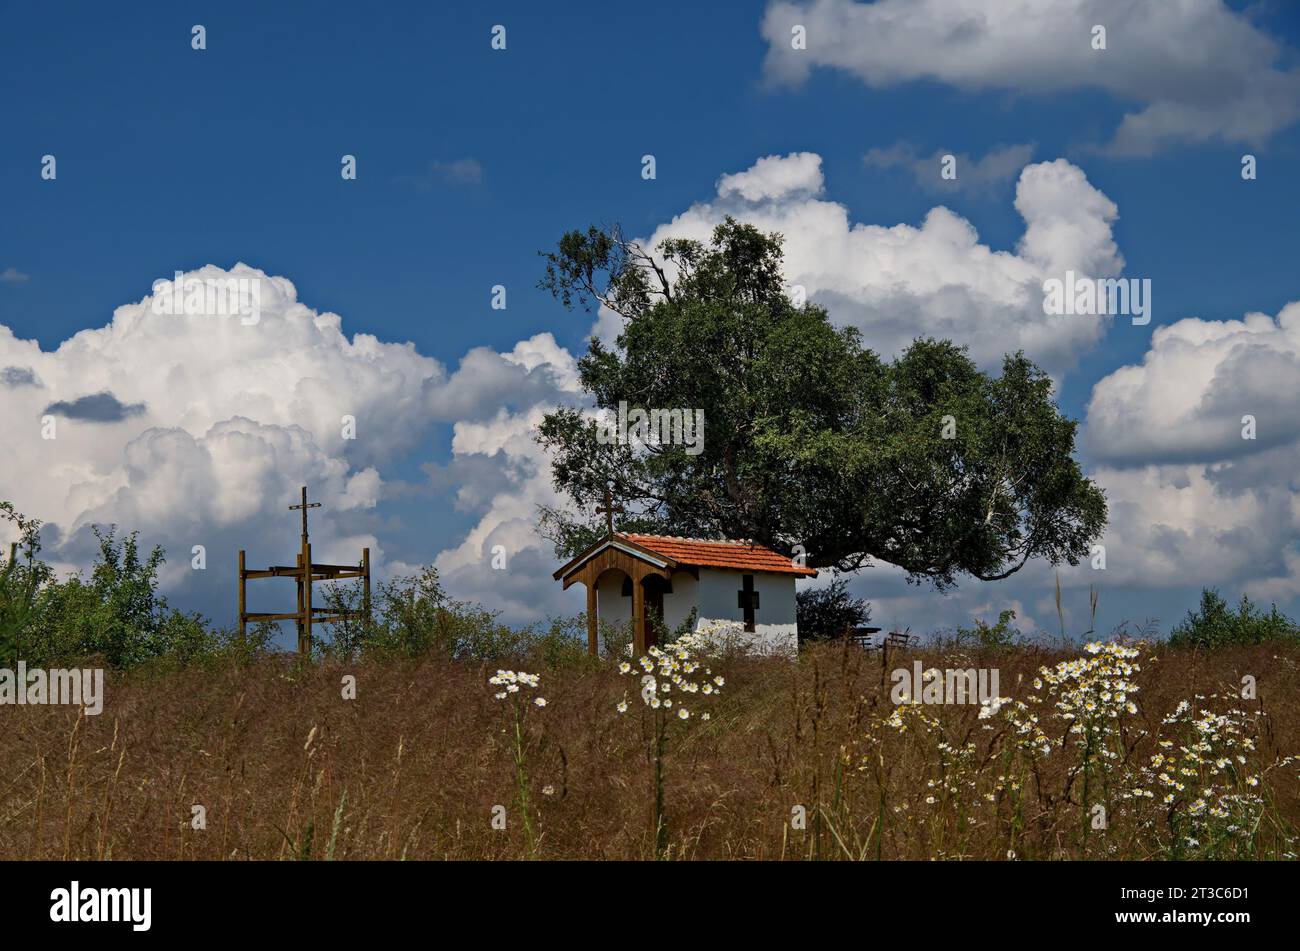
472, 160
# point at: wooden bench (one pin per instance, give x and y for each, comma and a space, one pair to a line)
901, 639
863, 637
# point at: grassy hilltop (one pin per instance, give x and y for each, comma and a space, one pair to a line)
798, 760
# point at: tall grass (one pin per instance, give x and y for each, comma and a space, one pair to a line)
286, 768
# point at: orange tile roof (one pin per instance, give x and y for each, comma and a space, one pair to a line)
733, 555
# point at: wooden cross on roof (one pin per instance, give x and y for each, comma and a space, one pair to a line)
608, 510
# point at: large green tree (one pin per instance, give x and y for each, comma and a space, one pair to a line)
812, 443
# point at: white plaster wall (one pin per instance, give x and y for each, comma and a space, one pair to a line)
775, 629
611, 607
678, 604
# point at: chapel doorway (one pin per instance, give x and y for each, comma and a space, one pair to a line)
655, 589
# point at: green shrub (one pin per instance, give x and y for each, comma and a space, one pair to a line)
116, 615
21, 578
19, 585
1214, 624
412, 615
829, 612
997, 636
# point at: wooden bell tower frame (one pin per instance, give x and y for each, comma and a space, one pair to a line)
306, 613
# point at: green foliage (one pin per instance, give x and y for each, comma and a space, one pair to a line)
18, 587
662, 633
829, 612
117, 615
1214, 624
20, 582
616, 640
412, 615
997, 636
925, 462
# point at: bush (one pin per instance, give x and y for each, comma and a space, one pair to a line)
19, 585
997, 636
1214, 624
412, 615
116, 615
828, 612
21, 578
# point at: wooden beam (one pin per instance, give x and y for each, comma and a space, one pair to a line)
625, 562
243, 597
365, 589
569, 572
591, 620
298, 613
327, 614
638, 615
276, 571
306, 560
319, 572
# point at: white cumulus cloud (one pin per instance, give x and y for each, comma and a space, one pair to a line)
199, 429
1189, 398
898, 282
1197, 70
1191, 494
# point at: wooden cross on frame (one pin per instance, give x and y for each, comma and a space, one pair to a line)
305, 572
608, 510
305, 505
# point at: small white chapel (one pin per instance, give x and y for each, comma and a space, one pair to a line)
633, 578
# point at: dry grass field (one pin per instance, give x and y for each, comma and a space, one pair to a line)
804, 759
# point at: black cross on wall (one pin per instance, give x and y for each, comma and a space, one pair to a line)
747, 599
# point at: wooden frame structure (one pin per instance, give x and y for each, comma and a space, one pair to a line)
306, 612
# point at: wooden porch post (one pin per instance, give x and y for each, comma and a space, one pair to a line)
591, 618
638, 613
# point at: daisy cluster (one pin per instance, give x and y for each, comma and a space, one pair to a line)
1091, 693
955, 779
511, 681
1026, 732
1097, 686
1203, 782
1206, 775
672, 670
906, 714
